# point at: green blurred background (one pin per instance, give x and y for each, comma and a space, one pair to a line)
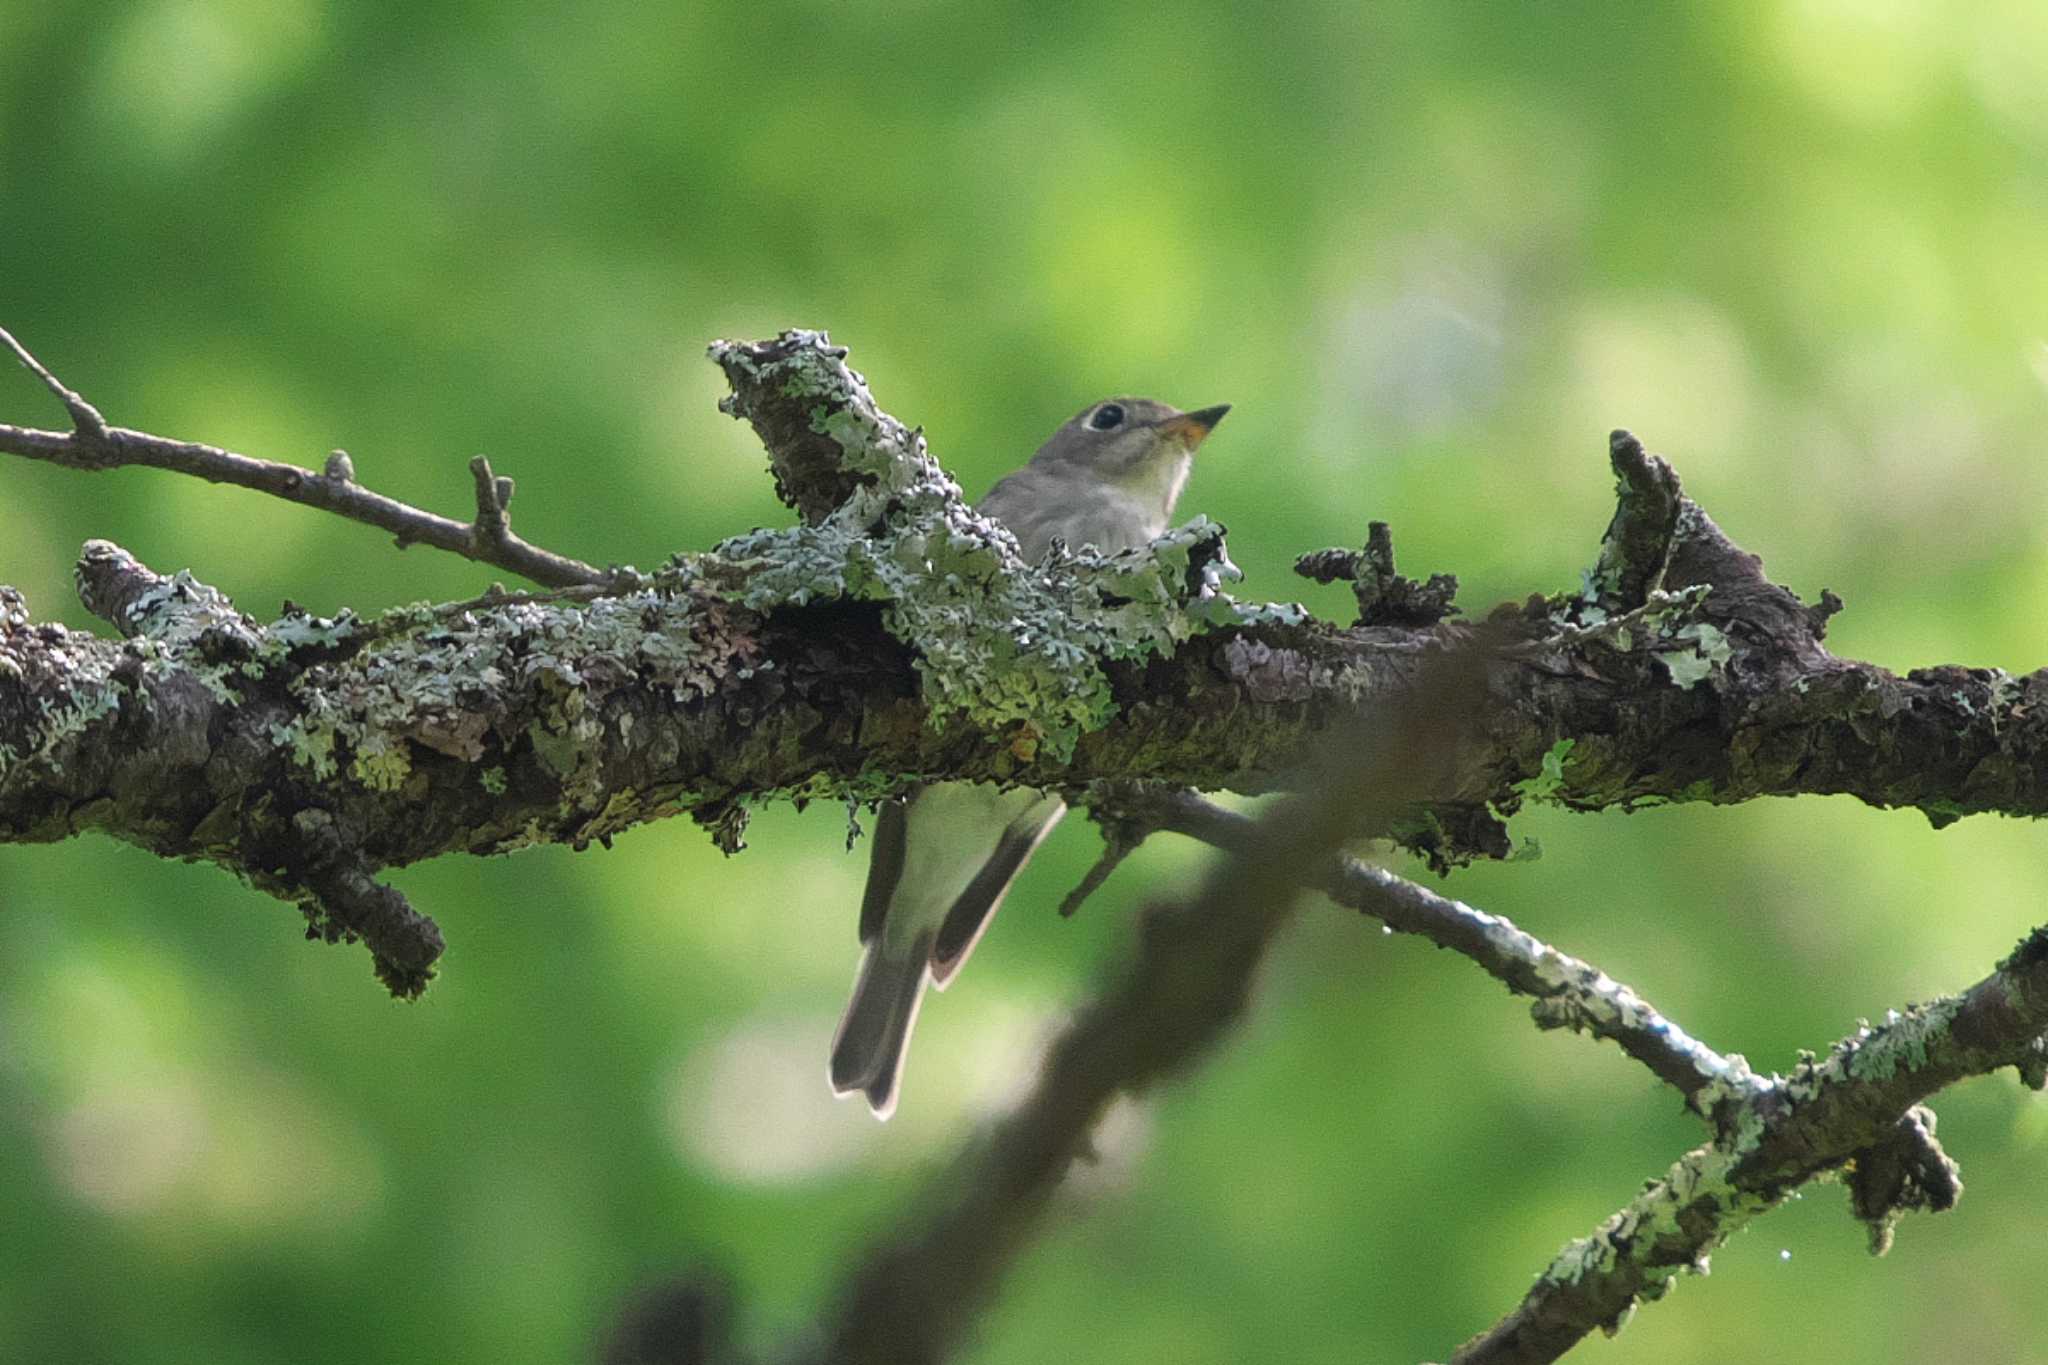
1432, 252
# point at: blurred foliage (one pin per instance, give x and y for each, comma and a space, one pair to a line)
1432, 252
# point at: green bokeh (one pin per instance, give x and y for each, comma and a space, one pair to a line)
1431, 252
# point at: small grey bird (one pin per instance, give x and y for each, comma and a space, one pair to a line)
944, 856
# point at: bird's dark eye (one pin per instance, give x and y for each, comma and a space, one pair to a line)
1108, 417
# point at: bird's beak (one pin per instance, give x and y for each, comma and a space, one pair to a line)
1189, 428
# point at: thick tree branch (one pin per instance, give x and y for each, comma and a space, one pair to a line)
898, 636
94, 446
895, 636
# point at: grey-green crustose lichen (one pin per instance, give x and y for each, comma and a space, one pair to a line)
438, 677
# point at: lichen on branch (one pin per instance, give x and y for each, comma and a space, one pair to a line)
1012, 648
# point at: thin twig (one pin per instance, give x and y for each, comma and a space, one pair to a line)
1569, 993
85, 418
93, 445
493, 525
1121, 835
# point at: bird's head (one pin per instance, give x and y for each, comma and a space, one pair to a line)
1137, 446
1124, 440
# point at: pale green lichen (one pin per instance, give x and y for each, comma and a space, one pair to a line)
55, 725
999, 642
380, 763
171, 618
1699, 1186
1701, 1191
177, 608
2005, 689
1661, 616
310, 744
1707, 649
559, 750
302, 630
1546, 783
1901, 1044
1259, 613
433, 668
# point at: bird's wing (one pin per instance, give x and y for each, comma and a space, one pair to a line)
977, 902
941, 862
885, 865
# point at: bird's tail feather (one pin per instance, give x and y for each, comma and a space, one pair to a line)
867, 1053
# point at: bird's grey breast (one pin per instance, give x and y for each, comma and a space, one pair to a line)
1037, 505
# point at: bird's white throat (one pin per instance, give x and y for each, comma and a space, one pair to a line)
1154, 485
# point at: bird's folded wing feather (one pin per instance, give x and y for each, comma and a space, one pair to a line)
977, 902
943, 859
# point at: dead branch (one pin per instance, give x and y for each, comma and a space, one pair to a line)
94, 446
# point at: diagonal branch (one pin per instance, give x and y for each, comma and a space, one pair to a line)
94, 446
1569, 993
1858, 1110
910, 1299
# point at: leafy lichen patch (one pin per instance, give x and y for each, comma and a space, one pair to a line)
1011, 647
1003, 644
